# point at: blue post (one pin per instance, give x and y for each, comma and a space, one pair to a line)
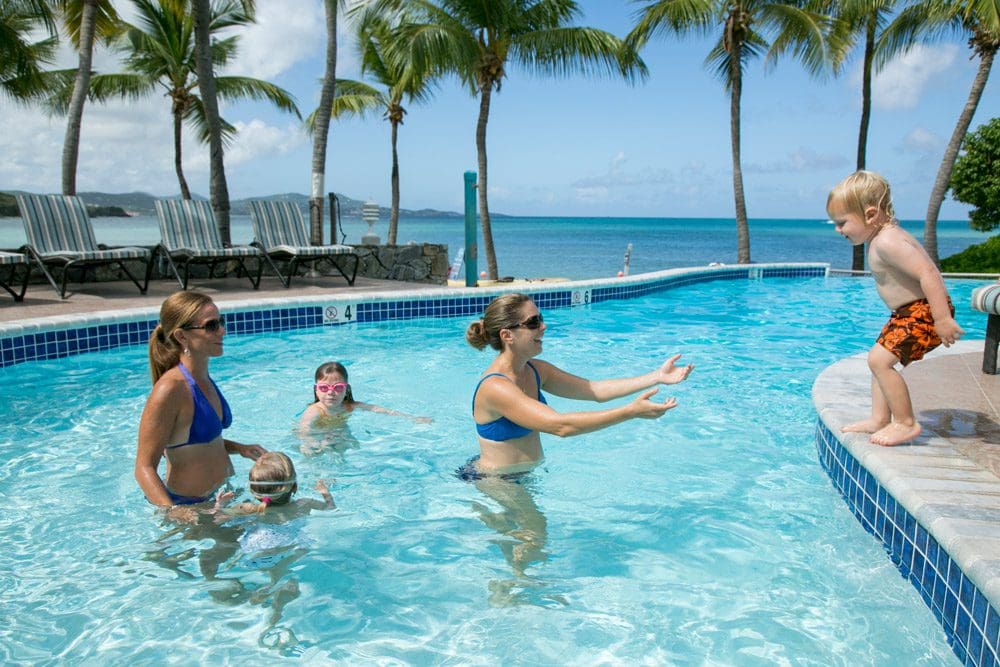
471, 231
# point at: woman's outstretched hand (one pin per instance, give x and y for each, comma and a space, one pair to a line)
672, 374
648, 409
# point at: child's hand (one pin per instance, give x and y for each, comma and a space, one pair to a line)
423, 420
222, 498
948, 331
322, 487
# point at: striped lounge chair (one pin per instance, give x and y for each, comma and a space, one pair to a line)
280, 232
60, 235
987, 299
11, 262
189, 235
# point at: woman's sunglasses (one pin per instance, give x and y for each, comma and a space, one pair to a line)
210, 326
532, 322
336, 387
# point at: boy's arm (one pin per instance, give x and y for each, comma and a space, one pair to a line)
910, 258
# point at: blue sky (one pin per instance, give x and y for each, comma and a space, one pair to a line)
557, 147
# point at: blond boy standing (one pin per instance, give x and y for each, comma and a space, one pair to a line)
911, 286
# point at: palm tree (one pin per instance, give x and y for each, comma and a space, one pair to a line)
218, 187
741, 25
479, 40
389, 65
857, 18
21, 59
86, 21
979, 22
320, 126
159, 52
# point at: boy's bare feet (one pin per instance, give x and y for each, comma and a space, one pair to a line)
870, 425
895, 434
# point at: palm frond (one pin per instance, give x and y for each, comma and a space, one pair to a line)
240, 87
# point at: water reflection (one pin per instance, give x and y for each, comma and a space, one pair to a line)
522, 536
332, 438
245, 561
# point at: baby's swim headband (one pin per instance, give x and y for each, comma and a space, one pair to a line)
261, 496
282, 482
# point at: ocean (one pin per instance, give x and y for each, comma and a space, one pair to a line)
578, 248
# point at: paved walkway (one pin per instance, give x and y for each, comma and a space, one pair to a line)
42, 301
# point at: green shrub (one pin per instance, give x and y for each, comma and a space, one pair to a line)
981, 258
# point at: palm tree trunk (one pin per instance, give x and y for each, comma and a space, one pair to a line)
484, 209
219, 190
742, 227
394, 209
81, 86
943, 179
858, 252
321, 128
178, 126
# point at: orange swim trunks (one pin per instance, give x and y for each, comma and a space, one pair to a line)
910, 333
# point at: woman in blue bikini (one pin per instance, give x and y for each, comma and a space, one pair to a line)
509, 408
186, 412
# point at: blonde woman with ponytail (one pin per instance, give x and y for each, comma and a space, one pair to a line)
186, 412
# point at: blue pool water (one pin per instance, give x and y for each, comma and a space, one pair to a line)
711, 536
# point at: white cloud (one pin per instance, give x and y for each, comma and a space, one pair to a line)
799, 160
922, 140
257, 139
903, 80
287, 32
121, 148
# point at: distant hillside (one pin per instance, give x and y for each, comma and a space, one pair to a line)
141, 203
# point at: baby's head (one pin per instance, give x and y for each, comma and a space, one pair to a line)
332, 373
272, 478
859, 193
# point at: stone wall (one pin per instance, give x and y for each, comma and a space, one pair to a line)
414, 262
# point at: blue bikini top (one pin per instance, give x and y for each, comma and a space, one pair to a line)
205, 423
503, 429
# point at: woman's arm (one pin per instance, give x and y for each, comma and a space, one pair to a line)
155, 427
251, 452
908, 257
567, 385
502, 397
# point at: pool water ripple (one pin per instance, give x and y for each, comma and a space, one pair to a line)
710, 536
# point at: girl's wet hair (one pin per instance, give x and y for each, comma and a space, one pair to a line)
178, 310
861, 190
333, 368
503, 312
272, 477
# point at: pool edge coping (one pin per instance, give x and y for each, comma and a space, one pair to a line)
895, 497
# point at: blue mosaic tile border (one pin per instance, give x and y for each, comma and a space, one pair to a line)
68, 339
970, 621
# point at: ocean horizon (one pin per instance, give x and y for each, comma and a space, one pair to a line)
578, 247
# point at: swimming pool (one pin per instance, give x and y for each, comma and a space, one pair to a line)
710, 536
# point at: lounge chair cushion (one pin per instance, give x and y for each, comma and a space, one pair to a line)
187, 227
58, 226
